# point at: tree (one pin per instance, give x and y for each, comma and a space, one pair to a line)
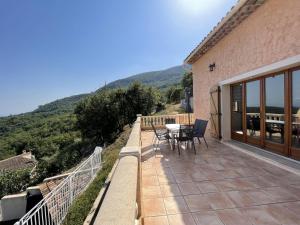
102, 116
187, 80
174, 94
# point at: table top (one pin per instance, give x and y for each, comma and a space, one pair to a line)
173, 126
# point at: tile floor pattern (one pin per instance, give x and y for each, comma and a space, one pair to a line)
217, 186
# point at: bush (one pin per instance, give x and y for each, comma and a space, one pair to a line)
82, 205
13, 181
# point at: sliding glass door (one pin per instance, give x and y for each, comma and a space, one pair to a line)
253, 116
266, 112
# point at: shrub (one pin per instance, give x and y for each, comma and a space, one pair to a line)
13, 181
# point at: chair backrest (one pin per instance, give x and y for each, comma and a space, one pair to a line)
256, 123
185, 131
153, 127
200, 127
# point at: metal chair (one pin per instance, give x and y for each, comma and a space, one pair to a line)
185, 135
199, 130
159, 136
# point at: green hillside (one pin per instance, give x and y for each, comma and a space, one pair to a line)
61, 105
159, 79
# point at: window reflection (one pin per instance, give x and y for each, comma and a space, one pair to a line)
237, 109
275, 109
296, 109
253, 108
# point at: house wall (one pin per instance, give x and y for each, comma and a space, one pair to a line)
268, 35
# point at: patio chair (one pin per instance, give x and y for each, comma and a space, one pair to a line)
185, 135
159, 136
199, 130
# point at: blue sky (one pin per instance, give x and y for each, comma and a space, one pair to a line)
54, 49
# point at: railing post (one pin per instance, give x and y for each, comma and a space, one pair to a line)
98, 150
92, 170
71, 189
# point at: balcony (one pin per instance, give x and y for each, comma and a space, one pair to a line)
217, 185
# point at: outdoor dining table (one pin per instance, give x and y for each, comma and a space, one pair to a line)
173, 129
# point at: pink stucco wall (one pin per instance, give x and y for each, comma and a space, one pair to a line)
268, 35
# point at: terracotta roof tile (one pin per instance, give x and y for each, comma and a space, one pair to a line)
22, 161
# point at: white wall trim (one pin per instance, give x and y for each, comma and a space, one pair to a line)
271, 68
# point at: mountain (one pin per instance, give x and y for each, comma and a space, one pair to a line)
160, 79
61, 105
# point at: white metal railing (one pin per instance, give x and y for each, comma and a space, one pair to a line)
54, 207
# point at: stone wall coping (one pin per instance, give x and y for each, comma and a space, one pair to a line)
130, 151
119, 205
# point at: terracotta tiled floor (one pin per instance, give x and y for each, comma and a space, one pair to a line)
217, 186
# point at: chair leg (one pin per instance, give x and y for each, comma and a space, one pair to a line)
193, 143
199, 140
205, 142
154, 143
153, 139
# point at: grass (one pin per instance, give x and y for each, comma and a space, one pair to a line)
82, 205
171, 109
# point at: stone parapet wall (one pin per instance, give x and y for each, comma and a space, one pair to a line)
121, 202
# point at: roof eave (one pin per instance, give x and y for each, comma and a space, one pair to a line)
234, 10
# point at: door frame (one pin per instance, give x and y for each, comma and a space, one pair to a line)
284, 149
293, 152
234, 135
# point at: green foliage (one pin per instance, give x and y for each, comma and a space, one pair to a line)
102, 116
13, 181
159, 79
53, 139
82, 205
174, 94
62, 105
43, 135
187, 80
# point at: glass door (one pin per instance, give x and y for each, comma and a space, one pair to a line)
274, 112
295, 126
237, 106
253, 118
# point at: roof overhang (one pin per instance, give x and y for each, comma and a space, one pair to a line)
234, 17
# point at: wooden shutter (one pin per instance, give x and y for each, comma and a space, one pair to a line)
215, 112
